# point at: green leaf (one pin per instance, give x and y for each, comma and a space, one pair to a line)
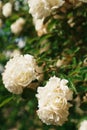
72, 86
5, 101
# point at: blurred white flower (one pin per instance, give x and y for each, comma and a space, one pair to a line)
38, 23
21, 43
83, 125
16, 5
42, 8
7, 9
9, 54
39, 26
17, 26
15, 53
53, 4
19, 73
37, 9
53, 101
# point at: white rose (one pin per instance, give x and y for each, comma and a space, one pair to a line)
53, 101
19, 73
7, 9
37, 9
17, 26
39, 26
83, 125
52, 4
42, 8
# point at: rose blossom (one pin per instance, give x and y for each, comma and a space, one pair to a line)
7, 9
17, 26
19, 73
83, 125
53, 101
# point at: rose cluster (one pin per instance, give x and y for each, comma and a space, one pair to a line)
53, 99
40, 9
